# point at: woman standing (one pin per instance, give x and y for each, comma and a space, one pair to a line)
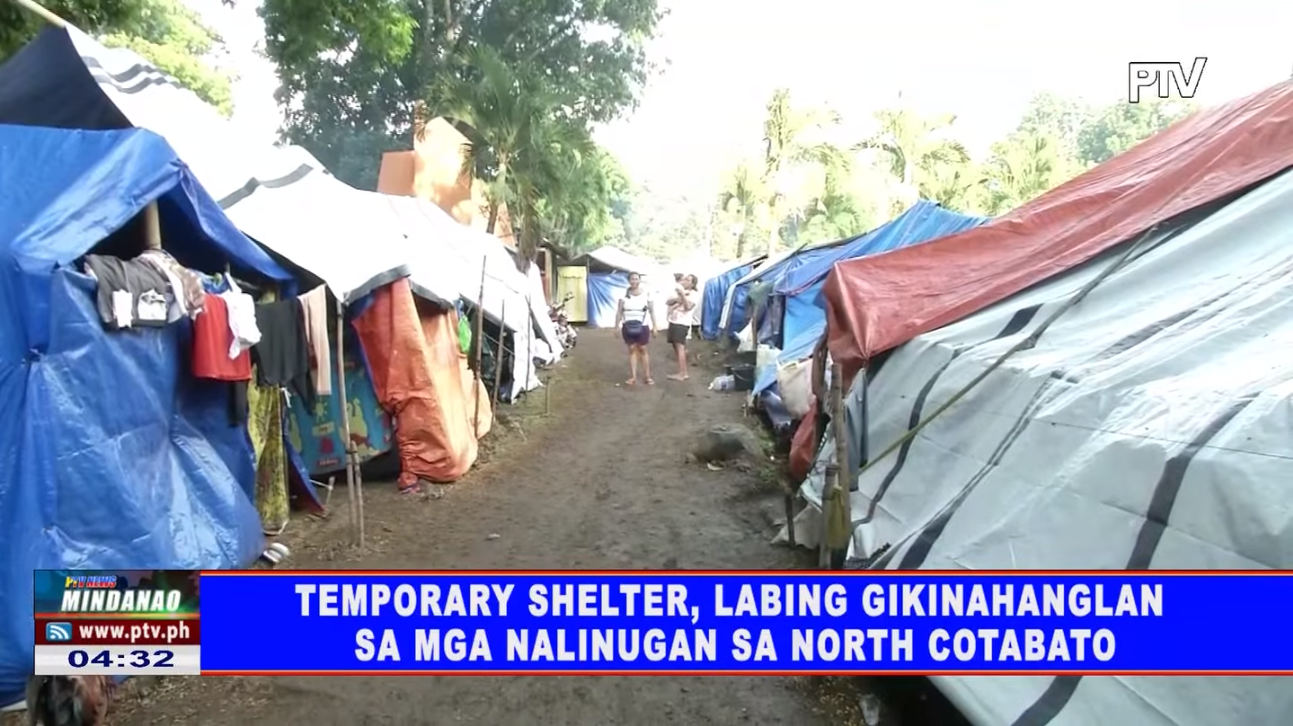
636, 320
682, 308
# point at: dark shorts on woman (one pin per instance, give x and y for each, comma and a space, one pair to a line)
677, 334
642, 337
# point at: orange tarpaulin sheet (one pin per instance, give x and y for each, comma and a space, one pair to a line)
417, 371
876, 303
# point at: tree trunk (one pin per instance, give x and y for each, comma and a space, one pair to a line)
493, 217
773, 225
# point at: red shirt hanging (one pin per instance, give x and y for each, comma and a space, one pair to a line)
211, 340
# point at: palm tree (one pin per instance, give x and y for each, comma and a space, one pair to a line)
787, 144
1023, 166
742, 197
915, 148
836, 213
517, 141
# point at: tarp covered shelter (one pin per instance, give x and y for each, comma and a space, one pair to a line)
714, 296
738, 311
1147, 428
797, 294
799, 290
608, 278
282, 197
1215, 152
111, 455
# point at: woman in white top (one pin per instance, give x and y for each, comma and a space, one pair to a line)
681, 311
636, 321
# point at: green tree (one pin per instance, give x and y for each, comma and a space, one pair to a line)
1062, 119
836, 213
353, 70
791, 139
1023, 166
917, 150
164, 32
1120, 126
532, 159
741, 200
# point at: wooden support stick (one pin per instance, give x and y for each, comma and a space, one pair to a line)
479, 343
529, 342
841, 455
830, 485
352, 486
46, 15
152, 228
790, 516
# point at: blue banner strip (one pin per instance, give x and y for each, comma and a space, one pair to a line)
763, 623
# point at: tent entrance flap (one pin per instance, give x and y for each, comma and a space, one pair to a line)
573, 280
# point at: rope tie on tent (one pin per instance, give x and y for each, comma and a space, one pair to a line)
1026, 344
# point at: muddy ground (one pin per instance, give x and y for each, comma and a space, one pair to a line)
600, 483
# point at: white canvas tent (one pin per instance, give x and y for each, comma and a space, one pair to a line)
472, 257
1151, 427
282, 197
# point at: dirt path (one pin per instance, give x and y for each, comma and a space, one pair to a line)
600, 484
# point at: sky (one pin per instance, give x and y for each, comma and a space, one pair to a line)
720, 60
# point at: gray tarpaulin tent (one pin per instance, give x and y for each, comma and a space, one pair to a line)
1171, 379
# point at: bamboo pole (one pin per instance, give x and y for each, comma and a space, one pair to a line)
831, 483
529, 343
479, 342
840, 429
354, 493
45, 14
498, 358
152, 227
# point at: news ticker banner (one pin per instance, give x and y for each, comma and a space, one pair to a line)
656, 623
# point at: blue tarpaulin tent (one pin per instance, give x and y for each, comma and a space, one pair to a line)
111, 456
738, 315
715, 295
798, 291
800, 287
604, 292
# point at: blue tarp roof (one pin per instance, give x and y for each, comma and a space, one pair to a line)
111, 456
923, 222
715, 295
804, 308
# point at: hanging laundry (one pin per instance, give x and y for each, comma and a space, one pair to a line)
211, 340
314, 310
131, 293
186, 286
212, 337
242, 318
282, 356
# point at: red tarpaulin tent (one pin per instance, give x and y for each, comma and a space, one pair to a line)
876, 303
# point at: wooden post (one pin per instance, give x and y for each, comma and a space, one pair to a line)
352, 460
529, 342
152, 228
790, 515
836, 514
498, 356
479, 343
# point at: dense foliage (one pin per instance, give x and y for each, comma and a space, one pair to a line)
165, 32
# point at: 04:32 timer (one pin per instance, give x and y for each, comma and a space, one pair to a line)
123, 659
